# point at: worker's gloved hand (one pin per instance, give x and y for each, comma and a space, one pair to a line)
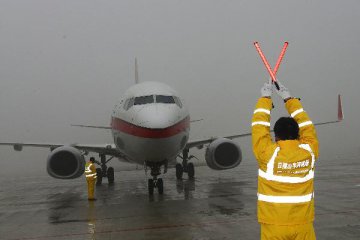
266, 90
283, 92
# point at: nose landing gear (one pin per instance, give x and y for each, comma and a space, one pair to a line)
155, 182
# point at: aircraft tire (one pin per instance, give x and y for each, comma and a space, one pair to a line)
179, 171
110, 175
191, 170
151, 186
160, 186
98, 176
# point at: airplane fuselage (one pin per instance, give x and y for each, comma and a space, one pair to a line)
150, 123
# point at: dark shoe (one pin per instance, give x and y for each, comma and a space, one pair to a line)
92, 199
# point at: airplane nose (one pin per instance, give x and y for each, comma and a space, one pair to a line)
158, 116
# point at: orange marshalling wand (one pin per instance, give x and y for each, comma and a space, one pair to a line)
266, 63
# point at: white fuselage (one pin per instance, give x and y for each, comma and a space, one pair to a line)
150, 123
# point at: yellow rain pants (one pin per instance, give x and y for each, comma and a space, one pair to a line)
91, 188
291, 232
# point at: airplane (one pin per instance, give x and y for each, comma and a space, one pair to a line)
150, 126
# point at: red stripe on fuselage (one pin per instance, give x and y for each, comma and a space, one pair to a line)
126, 127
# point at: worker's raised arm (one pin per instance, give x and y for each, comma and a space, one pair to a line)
260, 124
307, 133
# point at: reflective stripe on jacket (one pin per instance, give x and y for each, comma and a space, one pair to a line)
90, 170
286, 168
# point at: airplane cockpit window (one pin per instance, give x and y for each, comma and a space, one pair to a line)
164, 99
128, 103
178, 101
144, 100
131, 102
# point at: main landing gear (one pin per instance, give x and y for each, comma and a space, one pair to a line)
185, 166
104, 171
156, 182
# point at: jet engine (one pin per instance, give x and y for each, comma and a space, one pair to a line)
223, 154
65, 163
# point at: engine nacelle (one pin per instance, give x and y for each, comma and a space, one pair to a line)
65, 163
223, 154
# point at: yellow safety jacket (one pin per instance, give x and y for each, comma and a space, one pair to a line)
90, 171
286, 168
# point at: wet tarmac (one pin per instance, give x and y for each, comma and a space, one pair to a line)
216, 205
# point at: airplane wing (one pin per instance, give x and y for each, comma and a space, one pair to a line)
90, 126
201, 142
106, 149
110, 149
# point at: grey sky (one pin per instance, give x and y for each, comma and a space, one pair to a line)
64, 62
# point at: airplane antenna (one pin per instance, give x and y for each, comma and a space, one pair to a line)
136, 72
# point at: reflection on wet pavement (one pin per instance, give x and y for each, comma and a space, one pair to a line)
215, 205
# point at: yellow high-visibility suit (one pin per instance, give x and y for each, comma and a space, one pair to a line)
286, 173
90, 174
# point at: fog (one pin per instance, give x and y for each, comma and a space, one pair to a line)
67, 62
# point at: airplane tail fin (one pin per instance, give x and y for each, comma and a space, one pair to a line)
136, 72
340, 111
340, 114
